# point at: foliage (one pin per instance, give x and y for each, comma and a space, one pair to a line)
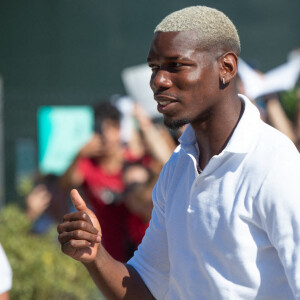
40, 270
289, 103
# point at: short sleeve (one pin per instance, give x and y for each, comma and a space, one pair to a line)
279, 207
151, 259
5, 273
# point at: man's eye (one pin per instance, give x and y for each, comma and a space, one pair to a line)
170, 66
154, 67
176, 65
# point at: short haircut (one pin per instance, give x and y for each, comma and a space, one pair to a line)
103, 111
106, 110
215, 30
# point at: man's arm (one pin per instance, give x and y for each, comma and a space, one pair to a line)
80, 236
278, 206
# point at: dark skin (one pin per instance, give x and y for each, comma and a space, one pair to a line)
191, 80
80, 236
187, 84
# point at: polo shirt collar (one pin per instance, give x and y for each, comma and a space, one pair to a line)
243, 136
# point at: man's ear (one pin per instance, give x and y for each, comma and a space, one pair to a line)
228, 67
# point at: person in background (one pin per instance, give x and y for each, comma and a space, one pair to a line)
157, 138
5, 276
276, 116
139, 182
97, 170
271, 104
47, 203
150, 142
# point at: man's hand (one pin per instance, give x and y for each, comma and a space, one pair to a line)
80, 232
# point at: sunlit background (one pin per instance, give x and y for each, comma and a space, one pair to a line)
72, 52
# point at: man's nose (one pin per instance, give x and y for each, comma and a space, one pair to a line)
160, 80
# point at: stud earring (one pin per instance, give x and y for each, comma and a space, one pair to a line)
223, 81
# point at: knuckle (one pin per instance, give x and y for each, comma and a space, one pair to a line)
73, 243
78, 234
82, 214
82, 224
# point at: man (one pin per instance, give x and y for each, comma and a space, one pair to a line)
225, 220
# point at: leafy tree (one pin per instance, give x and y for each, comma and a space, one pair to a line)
40, 270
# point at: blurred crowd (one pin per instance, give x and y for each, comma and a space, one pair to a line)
115, 173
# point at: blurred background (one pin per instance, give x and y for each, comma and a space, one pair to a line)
72, 54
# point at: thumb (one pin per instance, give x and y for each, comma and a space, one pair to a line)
78, 202
80, 205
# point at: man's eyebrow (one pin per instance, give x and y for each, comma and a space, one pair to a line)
174, 57
170, 58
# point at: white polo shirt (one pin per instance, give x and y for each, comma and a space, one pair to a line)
232, 232
5, 273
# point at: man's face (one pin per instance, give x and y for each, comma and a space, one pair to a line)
185, 80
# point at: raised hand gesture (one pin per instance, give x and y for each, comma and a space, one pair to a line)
80, 232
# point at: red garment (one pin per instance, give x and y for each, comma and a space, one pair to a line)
146, 160
136, 229
103, 191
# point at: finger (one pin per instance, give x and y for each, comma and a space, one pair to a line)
68, 249
76, 225
72, 251
77, 216
79, 244
78, 202
78, 235
81, 207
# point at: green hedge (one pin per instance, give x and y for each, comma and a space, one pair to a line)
40, 270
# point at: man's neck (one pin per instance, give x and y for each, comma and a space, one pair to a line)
213, 135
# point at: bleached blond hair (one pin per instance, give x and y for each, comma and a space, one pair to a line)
214, 28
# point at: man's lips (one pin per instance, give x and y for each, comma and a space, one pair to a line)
164, 100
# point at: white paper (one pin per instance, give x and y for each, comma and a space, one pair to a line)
126, 107
281, 78
136, 80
